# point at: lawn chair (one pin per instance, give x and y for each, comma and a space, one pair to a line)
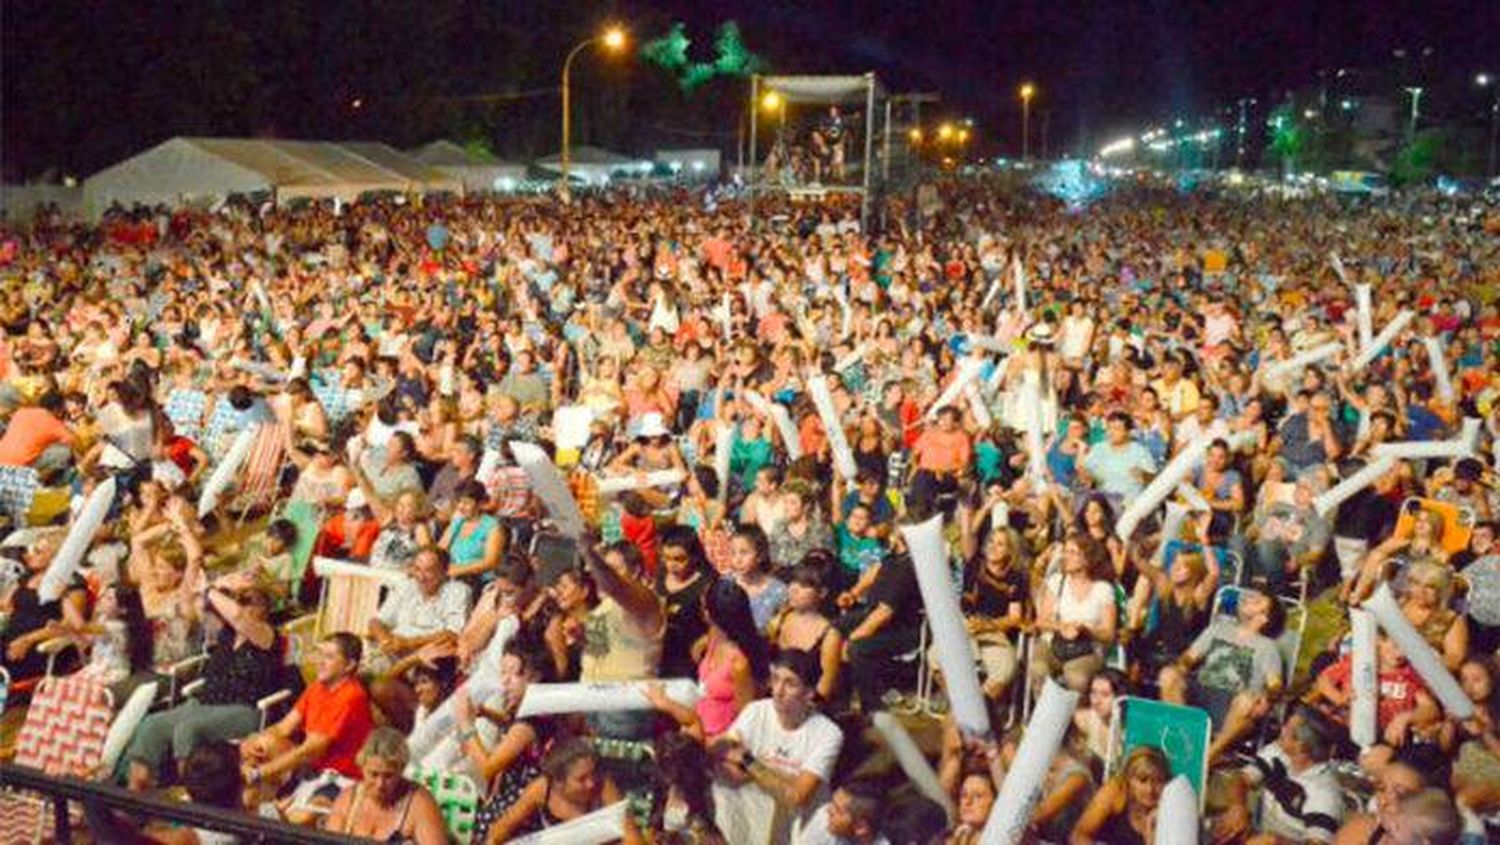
64, 735
350, 598
1182, 733
1289, 643
1458, 521
260, 477
457, 797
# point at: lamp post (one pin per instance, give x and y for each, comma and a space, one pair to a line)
1484, 80
1416, 99
613, 40
1027, 90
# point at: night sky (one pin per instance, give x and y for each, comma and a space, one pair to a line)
87, 83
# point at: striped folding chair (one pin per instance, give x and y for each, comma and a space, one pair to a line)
261, 475
64, 735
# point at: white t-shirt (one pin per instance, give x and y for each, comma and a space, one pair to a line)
1077, 332
1322, 807
746, 813
1087, 611
816, 832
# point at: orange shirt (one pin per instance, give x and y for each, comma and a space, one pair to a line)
30, 432
341, 713
943, 451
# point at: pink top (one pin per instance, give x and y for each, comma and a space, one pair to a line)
717, 708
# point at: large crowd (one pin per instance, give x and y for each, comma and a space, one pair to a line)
315, 430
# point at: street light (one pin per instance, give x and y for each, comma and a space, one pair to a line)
1484, 80
1027, 90
1416, 99
614, 40
945, 132
772, 101
916, 135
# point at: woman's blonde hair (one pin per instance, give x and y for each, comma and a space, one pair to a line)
386, 743
1148, 755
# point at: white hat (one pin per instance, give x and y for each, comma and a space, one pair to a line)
1041, 333
356, 500
652, 426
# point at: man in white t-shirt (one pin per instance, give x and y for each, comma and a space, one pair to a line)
1300, 797
851, 817
776, 760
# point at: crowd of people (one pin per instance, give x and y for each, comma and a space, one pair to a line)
391, 366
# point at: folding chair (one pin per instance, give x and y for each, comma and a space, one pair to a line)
349, 599
64, 734
1458, 521
457, 797
260, 477
1289, 643
308, 518
1182, 733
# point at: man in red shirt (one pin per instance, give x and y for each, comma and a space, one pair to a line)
332, 717
32, 431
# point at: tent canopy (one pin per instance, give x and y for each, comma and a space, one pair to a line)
583, 154
477, 171
445, 153
188, 169
822, 89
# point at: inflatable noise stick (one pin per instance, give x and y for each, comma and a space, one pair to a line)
909, 758
603, 825
843, 457
1022, 788
955, 653
1335, 495
1177, 814
1365, 680
1382, 605
1363, 358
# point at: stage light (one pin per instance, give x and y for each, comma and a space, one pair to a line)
772, 101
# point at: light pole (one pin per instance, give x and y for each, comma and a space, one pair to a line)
1239, 155
1416, 99
1027, 90
1484, 80
613, 40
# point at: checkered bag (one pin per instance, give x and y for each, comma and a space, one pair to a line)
585, 490
18, 488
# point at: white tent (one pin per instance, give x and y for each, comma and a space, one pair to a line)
188, 170
693, 164
594, 165
476, 172
392, 159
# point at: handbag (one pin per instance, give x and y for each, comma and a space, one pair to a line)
1066, 650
